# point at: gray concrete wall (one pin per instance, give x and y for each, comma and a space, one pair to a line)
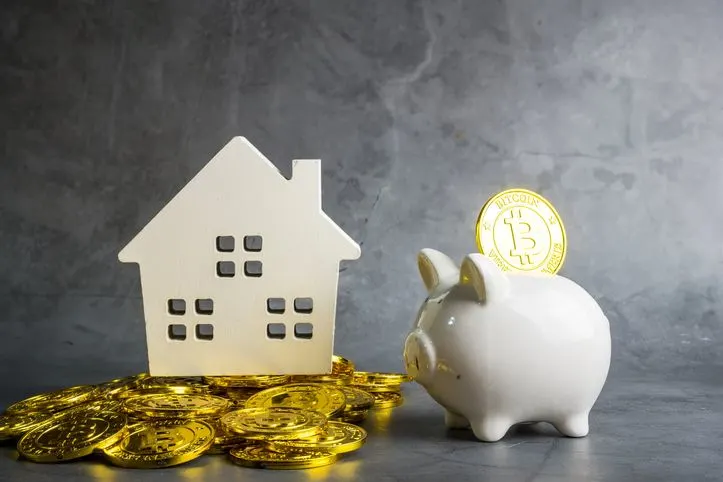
419, 111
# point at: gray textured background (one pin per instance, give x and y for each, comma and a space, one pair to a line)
419, 111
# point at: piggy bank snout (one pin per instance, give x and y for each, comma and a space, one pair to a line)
419, 356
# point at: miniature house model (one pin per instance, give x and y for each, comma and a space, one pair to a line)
239, 271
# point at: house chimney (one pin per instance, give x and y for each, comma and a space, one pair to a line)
306, 177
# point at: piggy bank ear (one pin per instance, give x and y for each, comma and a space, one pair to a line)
489, 282
438, 271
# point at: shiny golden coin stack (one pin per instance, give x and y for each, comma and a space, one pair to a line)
270, 421
521, 231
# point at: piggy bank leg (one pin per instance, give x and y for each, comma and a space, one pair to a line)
490, 429
454, 420
573, 425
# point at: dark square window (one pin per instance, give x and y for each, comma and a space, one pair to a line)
304, 330
276, 305
253, 268
303, 305
225, 244
276, 330
204, 331
176, 307
177, 332
253, 243
204, 306
226, 269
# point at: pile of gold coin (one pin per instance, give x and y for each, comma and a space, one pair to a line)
272, 421
521, 231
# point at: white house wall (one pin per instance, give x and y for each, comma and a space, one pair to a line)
300, 258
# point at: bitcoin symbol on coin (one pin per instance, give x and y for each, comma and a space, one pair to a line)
521, 231
154, 441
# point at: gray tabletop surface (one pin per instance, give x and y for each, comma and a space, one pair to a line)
661, 427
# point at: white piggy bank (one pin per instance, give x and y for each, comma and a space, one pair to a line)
496, 349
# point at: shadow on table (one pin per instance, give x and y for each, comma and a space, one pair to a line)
430, 426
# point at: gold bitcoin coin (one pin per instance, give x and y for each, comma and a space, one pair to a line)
263, 457
376, 382
354, 416
357, 399
342, 366
119, 385
13, 426
161, 443
225, 440
111, 405
224, 444
322, 378
171, 405
165, 390
380, 378
238, 394
521, 231
337, 438
279, 423
173, 382
387, 400
54, 401
72, 435
104, 405
325, 399
251, 381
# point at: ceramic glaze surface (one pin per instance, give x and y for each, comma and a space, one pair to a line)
496, 349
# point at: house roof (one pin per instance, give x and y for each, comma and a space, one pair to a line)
240, 175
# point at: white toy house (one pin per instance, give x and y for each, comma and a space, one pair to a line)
239, 271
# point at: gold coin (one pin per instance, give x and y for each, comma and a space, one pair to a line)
107, 405
171, 405
337, 438
341, 366
521, 231
357, 399
355, 416
278, 423
381, 378
238, 395
54, 401
322, 378
251, 381
223, 445
13, 426
119, 385
72, 435
110, 405
224, 440
165, 390
325, 399
161, 443
376, 382
263, 457
173, 382
387, 400
372, 388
